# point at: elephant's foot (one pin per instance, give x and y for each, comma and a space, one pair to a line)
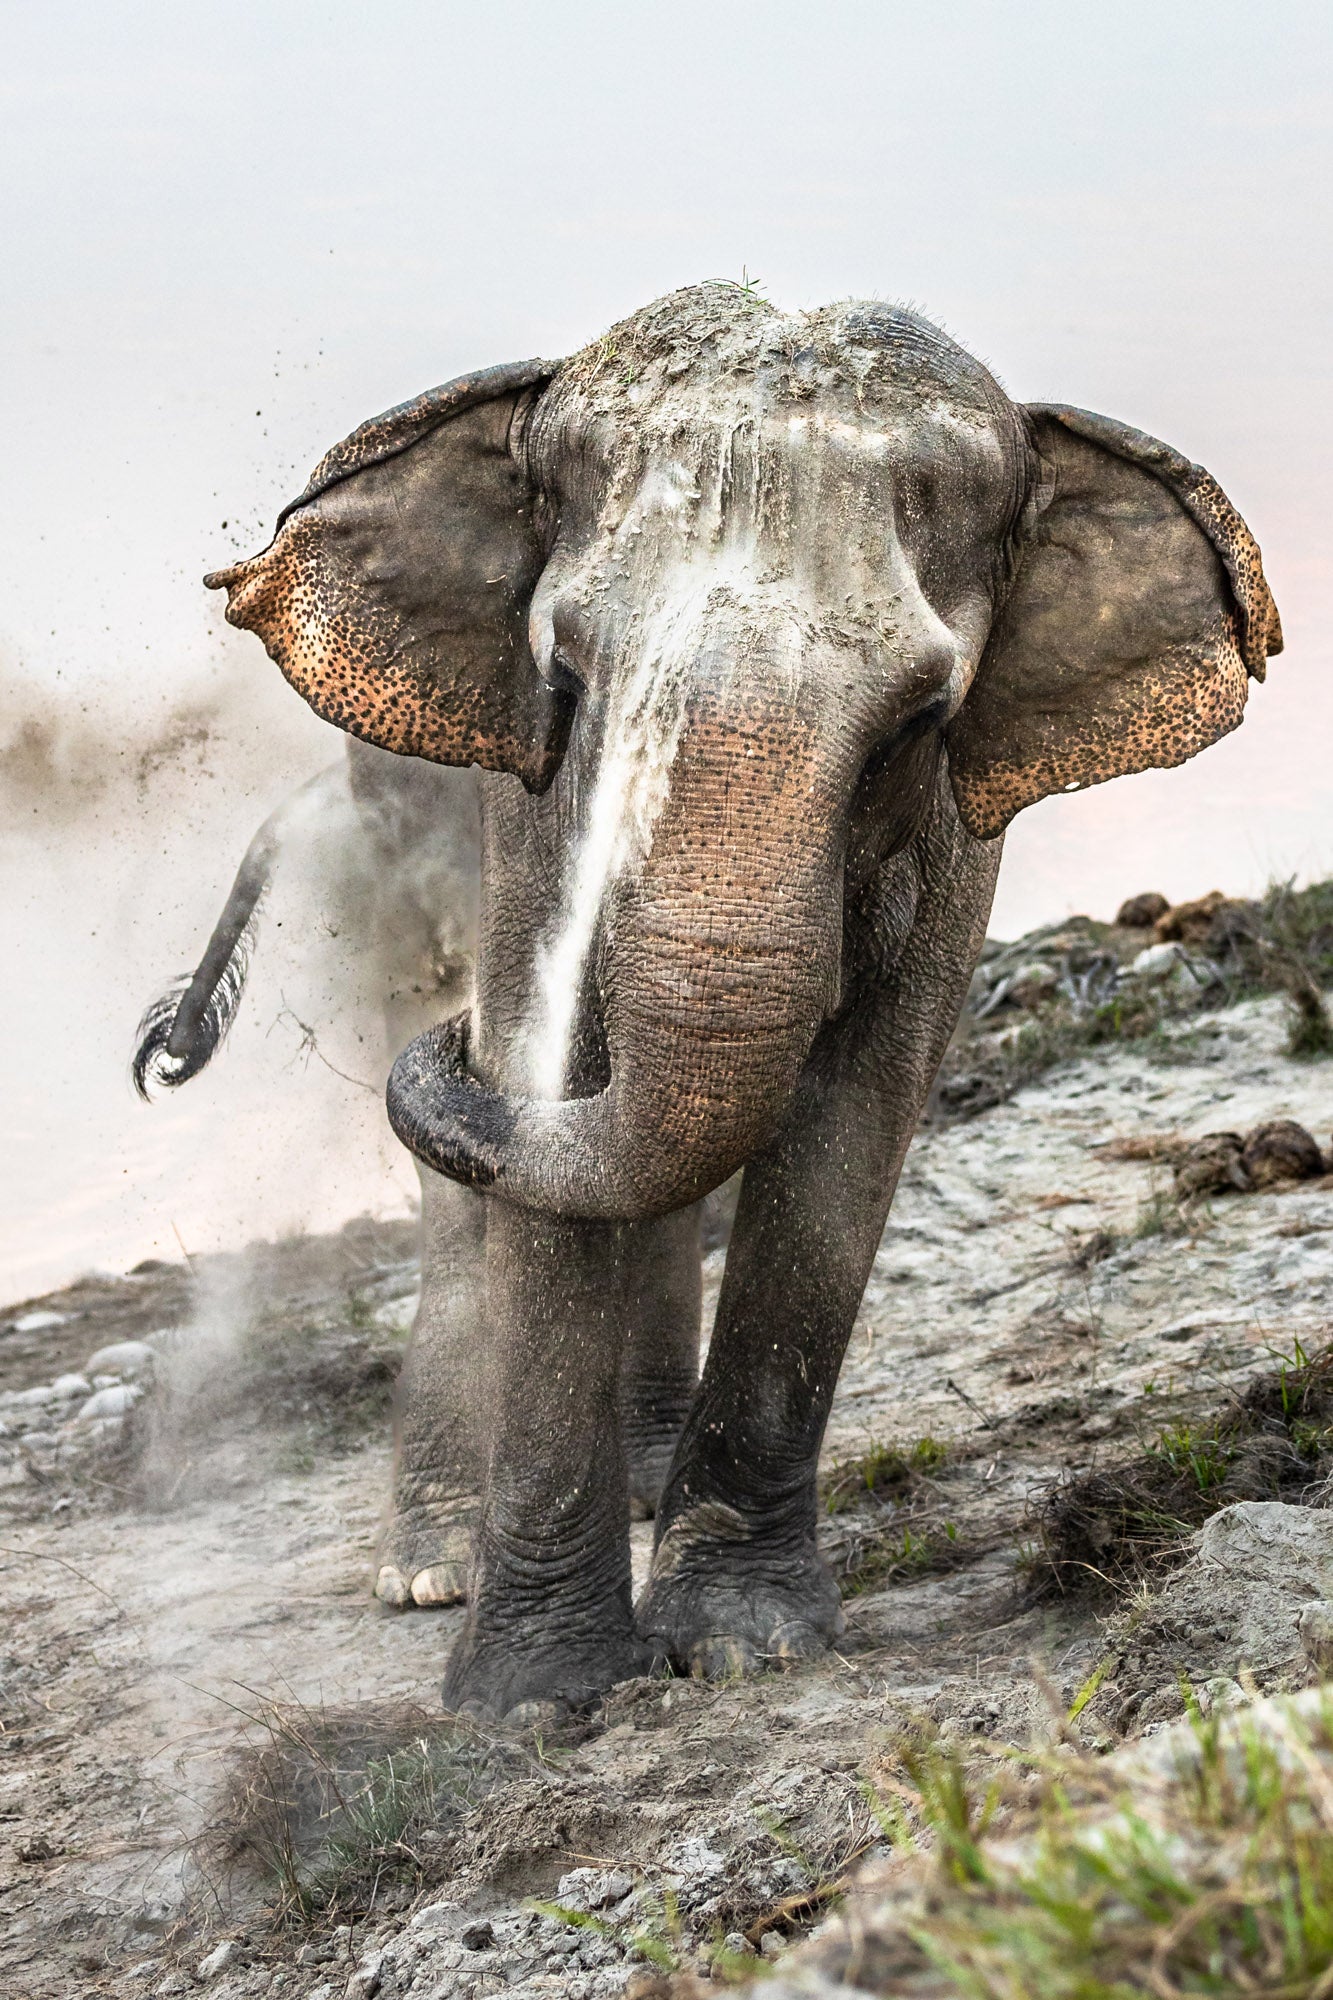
724, 1598
538, 1679
425, 1552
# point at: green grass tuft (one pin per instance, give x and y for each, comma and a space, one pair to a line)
1213, 1876
1202, 1452
882, 1471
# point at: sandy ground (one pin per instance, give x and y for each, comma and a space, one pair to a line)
166, 1581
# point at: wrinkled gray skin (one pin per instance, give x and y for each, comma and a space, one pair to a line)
409, 867
858, 608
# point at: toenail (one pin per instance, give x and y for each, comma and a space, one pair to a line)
437, 1585
473, 1711
391, 1587
794, 1641
536, 1715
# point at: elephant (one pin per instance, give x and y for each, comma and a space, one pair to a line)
759, 626
408, 849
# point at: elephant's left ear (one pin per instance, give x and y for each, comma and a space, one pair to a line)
1137, 611
395, 593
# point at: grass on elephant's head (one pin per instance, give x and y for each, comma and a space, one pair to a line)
339, 1811
1208, 1874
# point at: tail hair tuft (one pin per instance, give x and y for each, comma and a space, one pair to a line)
205, 1009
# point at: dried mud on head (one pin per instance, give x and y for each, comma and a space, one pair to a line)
1074, 1493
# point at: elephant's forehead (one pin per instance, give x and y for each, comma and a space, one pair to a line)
711, 356
812, 489
739, 453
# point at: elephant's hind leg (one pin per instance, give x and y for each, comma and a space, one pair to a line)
443, 1395
660, 1371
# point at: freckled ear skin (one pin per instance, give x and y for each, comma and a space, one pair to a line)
395, 594
1138, 610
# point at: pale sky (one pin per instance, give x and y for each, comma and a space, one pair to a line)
231, 232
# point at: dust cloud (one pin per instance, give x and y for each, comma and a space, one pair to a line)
124, 812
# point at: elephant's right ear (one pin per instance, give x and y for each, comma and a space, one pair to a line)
1137, 612
395, 594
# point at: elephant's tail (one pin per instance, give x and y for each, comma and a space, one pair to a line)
182, 1030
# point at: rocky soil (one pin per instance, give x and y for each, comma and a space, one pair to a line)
223, 1765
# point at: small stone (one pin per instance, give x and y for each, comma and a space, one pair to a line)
71, 1385
694, 1857
364, 1983
737, 1945
1032, 984
478, 1937
221, 1956
647, 1984
28, 1399
36, 1322
38, 1848
116, 1401
1316, 1634
771, 1945
1158, 961
1221, 1693
434, 1917
593, 1888
125, 1358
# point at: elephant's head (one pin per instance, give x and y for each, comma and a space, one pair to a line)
784, 564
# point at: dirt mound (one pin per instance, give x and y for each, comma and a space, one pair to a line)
1109, 1526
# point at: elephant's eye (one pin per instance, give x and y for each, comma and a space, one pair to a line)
563, 674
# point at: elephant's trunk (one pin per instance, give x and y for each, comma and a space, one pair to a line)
721, 958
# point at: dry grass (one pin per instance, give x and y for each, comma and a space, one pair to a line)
339, 1811
1115, 1524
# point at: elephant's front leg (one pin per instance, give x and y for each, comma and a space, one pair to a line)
550, 1617
737, 1578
